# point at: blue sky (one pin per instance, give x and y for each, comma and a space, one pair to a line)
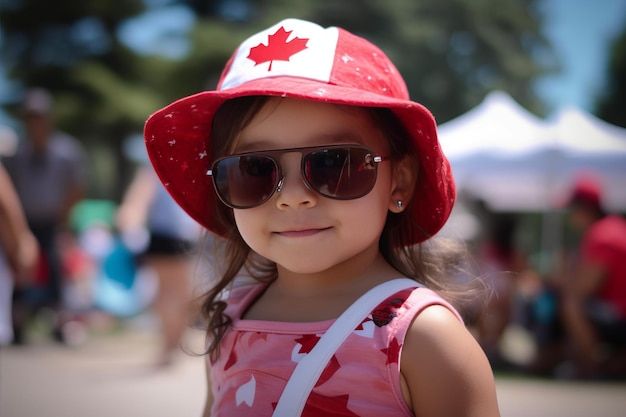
581, 31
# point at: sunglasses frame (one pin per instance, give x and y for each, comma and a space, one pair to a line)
275, 154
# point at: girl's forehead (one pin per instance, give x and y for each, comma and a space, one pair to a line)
287, 123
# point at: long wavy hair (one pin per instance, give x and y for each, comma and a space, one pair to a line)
431, 264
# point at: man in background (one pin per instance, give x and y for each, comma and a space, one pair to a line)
48, 171
594, 291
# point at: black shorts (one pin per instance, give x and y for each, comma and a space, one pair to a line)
165, 245
610, 326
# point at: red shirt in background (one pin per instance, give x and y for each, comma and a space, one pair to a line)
604, 243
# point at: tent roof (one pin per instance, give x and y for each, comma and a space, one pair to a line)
498, 125
577, 131
514, 160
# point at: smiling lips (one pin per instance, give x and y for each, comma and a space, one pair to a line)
302, 232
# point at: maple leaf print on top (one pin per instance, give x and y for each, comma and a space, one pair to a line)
291, 48
278, 48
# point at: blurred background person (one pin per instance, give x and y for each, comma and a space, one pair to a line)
503, 264
500, 263
18, 252
594, 287
49, 171
164, 236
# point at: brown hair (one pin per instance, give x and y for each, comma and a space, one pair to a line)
425, 263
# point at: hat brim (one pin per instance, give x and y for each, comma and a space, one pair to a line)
177, 139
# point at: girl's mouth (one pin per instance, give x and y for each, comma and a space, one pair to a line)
301, 233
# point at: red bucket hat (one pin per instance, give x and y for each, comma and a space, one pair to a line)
296, 59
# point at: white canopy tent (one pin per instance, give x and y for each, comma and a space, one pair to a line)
515, 161
498, 127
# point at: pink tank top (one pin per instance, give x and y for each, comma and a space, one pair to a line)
362, 378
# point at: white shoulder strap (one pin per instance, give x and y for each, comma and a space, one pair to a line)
310, 367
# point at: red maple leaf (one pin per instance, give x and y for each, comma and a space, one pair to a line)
321, 405
360, 326
392, 352
277, 48
307, 342
332, 367
232, 359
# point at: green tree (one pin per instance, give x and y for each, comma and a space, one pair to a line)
611, 105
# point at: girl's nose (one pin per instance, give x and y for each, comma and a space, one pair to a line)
292, 190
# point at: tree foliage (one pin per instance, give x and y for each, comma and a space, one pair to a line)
451, 53
612, 104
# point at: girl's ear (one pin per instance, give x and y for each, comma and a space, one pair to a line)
405, 173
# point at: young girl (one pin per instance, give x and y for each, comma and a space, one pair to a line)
322, 177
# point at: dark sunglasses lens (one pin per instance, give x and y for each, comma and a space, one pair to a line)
245, 181
340, 173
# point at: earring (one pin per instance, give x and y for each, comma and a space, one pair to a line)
399, 204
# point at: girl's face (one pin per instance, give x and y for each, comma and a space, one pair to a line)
299, 229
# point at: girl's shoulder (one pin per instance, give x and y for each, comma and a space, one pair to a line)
438, 343
416, 300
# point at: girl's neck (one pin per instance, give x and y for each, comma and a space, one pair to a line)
321, 296
356, 275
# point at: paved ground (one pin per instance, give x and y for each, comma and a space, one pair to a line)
111, 376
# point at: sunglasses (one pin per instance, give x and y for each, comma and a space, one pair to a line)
339, 172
